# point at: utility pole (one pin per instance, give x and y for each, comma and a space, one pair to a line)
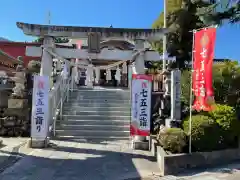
49, 18
165, 36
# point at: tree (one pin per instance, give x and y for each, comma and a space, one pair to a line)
226, 83
56, 40
225, 10
226, 78
180, 22
172, 5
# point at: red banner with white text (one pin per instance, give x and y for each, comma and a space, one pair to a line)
204, 43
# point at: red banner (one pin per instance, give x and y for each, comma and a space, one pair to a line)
204, 42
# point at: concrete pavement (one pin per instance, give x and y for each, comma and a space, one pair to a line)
83, 161
105, 161
10, 151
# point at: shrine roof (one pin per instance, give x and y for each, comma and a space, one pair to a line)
5, 56
8, 63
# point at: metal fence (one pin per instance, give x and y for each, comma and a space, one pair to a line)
58, 94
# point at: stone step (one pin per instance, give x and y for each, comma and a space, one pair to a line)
92, 133
101, 93
96, 127
100, 113
96, 108
90, 97
102, 104
91, 138
93, 122
92, 101
96, 117
84, 89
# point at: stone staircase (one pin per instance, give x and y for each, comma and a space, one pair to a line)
95, 114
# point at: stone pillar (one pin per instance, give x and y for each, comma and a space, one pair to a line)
97, 78
130, 76
175, 99
90, 77
138, 65
108, 75
46, 70
47, 59
76, 73
124, 74
118, 75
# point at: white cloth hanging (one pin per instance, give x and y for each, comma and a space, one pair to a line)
124, 68
118, 74
108, 75
64, 72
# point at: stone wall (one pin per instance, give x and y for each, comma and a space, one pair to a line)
171, 164
4, 95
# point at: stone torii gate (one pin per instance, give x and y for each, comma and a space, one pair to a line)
95, 36
136, 36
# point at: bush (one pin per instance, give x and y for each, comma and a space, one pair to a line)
172, 139
226, 118
206, 133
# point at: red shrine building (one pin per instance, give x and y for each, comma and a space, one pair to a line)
16, 49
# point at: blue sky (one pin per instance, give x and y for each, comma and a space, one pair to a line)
119, 13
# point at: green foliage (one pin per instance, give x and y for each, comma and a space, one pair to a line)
181, 20
173, 140
224, 115
206, 134
172, 5
214, 130
226, 118
224, 13
185, 86
226, 78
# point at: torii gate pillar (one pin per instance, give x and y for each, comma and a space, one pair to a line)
46, 70
47, 59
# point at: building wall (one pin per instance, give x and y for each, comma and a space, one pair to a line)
16, 49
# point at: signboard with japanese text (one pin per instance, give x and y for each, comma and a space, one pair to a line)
176, 94
40, 114
141, 105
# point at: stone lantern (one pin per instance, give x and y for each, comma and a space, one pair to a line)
16, 120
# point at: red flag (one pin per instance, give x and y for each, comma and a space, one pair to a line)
204, 42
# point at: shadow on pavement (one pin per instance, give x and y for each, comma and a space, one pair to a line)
71, 163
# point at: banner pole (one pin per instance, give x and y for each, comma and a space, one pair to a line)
191, 98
